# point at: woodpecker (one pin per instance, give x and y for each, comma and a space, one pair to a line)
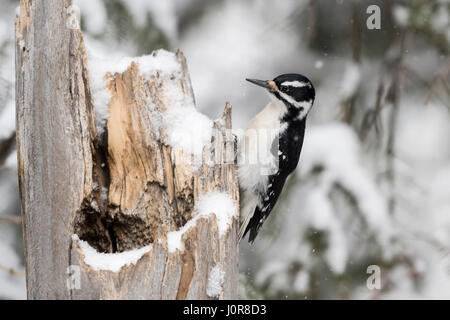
270, 148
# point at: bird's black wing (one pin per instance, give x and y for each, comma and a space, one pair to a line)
268, 201
288, 158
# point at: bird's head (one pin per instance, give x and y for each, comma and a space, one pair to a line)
294, 90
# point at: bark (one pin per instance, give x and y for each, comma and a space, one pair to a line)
118, 191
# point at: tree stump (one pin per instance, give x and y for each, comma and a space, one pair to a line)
124, 213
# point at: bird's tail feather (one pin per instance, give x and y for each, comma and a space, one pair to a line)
249, 201
243, 227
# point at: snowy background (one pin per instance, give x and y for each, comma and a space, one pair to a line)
373, 185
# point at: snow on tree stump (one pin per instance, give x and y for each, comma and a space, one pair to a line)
127, 191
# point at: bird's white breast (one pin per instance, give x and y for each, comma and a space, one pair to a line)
258, 148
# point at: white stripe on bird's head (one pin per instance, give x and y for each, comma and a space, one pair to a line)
295, 84
303, 106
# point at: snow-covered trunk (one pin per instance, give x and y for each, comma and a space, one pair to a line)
124, 202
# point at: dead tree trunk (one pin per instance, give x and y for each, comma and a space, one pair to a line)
124, 214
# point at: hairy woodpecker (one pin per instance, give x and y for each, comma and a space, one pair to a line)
270, 148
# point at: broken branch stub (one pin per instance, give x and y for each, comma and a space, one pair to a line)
128, 188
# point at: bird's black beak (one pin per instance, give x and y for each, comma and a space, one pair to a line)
268, 84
